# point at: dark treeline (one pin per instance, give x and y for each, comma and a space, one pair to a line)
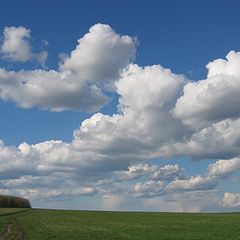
14, 202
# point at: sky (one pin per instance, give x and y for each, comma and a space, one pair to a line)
121, 105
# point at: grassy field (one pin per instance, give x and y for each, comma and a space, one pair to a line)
6, 211
57, 224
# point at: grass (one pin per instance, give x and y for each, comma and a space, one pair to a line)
6, 214
2, 223
61, 225
5, 211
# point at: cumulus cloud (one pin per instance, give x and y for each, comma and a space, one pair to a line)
144, 121
152, 171
100, 55
223, 168
16, 46
169, 172
230, 66
160, 115
13, 163
193, 183
231, 200
148, 189
96, 63
38, 89
214, 99
219, 140
62, 171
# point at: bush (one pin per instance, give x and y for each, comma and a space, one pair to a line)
14, 202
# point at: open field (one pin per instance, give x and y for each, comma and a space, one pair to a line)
58, 224
9, 211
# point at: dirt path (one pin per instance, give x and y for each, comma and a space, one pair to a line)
13, 229
21, 233
7, 232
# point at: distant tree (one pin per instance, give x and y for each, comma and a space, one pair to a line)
14, 202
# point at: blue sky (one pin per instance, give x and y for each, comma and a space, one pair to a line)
181, 35
184, 139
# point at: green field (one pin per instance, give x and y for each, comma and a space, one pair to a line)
59, 224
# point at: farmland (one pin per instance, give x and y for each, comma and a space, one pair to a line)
60, 224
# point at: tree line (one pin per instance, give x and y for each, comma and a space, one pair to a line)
14, 202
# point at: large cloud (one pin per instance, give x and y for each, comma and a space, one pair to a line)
129, 135
16, 46
38, 89
219, 140
100, 55
54, 167
223, 168
214, 99
93, 66
160, 115
144, 121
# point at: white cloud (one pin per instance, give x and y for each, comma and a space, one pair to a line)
169, 172
219, 140
214, 99
225, 67
193, 183
231, 200
148, 189
38, 89
100, 55
61, 171
141, 126
152, 171
13, 163
78, 86
160, 115
223, 168
16, 46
